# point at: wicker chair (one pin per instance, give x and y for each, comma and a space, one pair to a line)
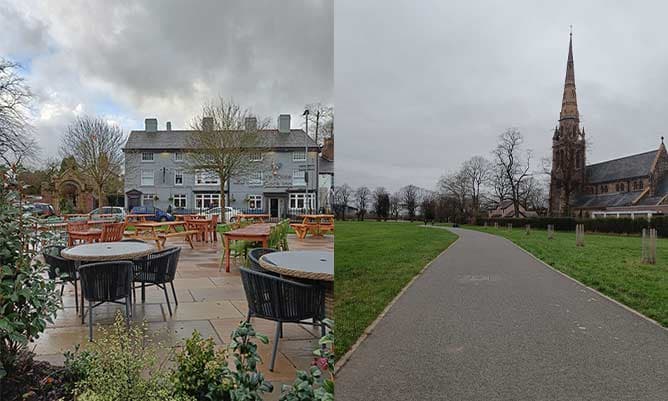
62, 269
282, 301
105, 282
157, 269
254, 256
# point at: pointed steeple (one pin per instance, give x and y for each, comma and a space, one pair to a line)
569, 103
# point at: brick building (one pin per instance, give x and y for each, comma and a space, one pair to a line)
623, 187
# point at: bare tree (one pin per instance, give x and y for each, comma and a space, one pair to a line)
97, 148
225, 134
362, 196
381, 203
457, 186
410, 197
533, 195
321, 117
478, 170
16, 143
514, 164
342, 195
395, 205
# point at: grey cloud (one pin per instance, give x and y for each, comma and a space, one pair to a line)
420, 87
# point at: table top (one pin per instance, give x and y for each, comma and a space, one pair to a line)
90, 231
260, 229
103, 251
313, 265
251, 215
150, 224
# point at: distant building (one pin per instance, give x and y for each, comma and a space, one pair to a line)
505, 209
628, 186
155, 172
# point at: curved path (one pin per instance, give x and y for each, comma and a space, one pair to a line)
489, 322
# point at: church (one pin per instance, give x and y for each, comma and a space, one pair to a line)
630, 186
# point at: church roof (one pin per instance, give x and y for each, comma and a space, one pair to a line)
638, 165
605, 200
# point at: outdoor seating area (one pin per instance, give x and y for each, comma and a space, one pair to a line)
179, 288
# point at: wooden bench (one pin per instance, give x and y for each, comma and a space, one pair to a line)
300, 229
187, 234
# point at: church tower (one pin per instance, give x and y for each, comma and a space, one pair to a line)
567, 177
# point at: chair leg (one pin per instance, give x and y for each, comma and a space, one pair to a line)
127, 311
169, 307
143, 292
281, 323
90, 320
323, 329
273, 352
248, 317
134, 294
176, 301
76, 296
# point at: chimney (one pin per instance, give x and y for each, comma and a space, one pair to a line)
284, 123
250, 123
151, 125
207, 124
328, 148
169, 125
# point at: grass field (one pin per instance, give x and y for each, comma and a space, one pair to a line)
610, 264
373, 262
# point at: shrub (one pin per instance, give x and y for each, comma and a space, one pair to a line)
318, 382
611, 225
203, 374
122, 366
28, 299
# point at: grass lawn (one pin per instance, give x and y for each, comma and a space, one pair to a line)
610, 264
374, 261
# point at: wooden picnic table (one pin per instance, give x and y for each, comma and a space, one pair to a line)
138, 217
259, 217
316, 224
311, 266
153, 229
88, 236
98, 222
255, 232
185, 216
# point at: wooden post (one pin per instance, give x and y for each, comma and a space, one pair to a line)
527, 228
579, 235
550, 231
496, 225
649, 246
510, 226
485, 225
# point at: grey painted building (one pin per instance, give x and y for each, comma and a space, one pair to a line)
156, 172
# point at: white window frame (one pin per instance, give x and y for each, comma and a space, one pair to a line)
211, 196
180, 197
178, 156
178, 172
255, 156
255, 202
298, 198
298, 178
296, 153
144, 176
201, 180
145, 197
152, 159
254, 180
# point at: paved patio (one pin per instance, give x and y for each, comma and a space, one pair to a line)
210, 301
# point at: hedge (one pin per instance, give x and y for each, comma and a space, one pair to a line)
622, 225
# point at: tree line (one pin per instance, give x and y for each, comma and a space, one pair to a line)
477, 186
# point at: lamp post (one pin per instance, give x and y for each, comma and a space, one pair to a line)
305, 114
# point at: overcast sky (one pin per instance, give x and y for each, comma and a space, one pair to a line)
422, 86
129, 60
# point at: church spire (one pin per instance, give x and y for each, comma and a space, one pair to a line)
569, 102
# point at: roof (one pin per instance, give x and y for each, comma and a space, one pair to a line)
177, 139
605, 200
638, 165
325, 166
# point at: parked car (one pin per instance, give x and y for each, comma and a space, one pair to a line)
115, 212
158, 214
42, 209
230, 213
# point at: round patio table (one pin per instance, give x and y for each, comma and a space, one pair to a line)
305, 265
105, 251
